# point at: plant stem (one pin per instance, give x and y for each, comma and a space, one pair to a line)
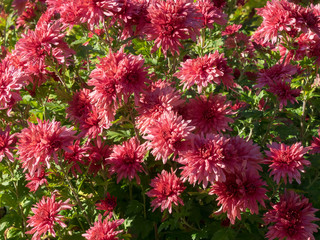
75, 194
264, 139
17, 196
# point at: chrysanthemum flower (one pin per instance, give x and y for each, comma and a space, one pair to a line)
167, 135
69, 11
82, 111
240, 154
315, 145
7, 143
204, 162
171, 22
12, 79
210, 13
291, 218
204, 70
286, 161
240, 191
93, 12
160, 97
37, 180
126, 159
277, 16
38, 144
46, 41
107, 204
104, 230
116, 77
46, 215
75, 156
231, 29
166, 189
278, 81
209, 114
97, 153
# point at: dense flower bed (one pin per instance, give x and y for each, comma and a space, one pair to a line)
160, 119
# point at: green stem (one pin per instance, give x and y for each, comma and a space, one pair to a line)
264, 139
75, 194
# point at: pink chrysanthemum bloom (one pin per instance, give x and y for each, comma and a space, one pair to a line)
159, 98
126, 159
69, 11
37, 180
46, 215
240, 191
38, 144
93, 12
231, 29
75, 156
116, 77
167, 135
315, 145
239, 154
107, 204
172, 21
104, 230
166, 189
210, 13
209, 114
204, 70
7, 144
277, 16
82, 111
46, 41
204, 162
278, 80
292, 218
286, 161
12, 79
97, 153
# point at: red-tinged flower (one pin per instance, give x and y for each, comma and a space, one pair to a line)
46, 42
135, 25
204, 162
107, 204
75, 156
284, 92
166, 189
241, 154
7, 144
126, 159
37, 180
275, 74
19, 5
172, 21
159, 98
104, 230
97, 153
12, 79
167, 135
315, 145
277, 16
46, 215
82, 111
116, 77
219, 3
291, 218
38, 144
240, 191
27, 13
210, 13
204, 70
286, 161
69, 11
209, 114
231, 29
93, 12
